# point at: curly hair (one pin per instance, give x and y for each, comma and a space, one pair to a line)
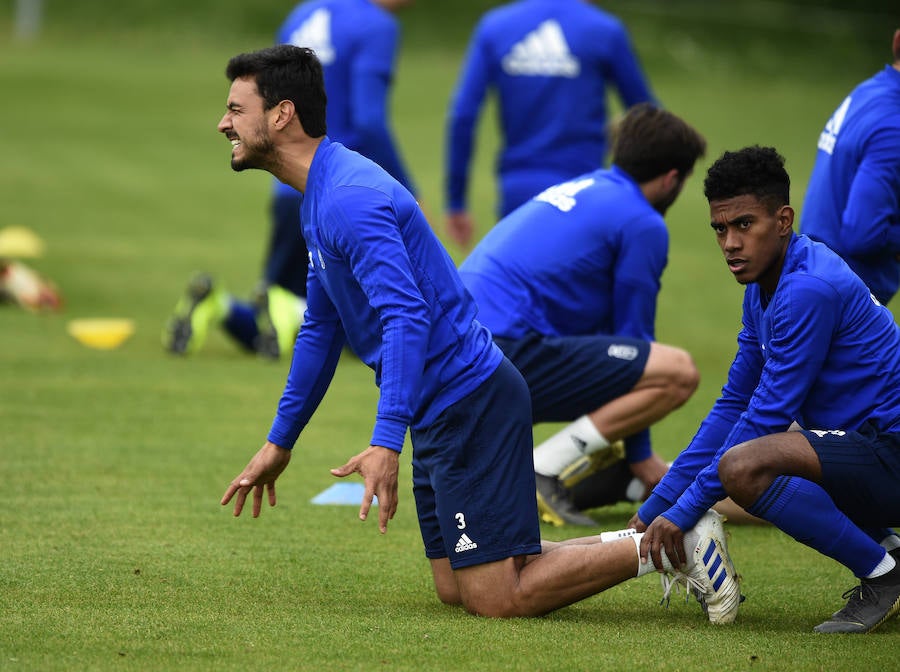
755, 171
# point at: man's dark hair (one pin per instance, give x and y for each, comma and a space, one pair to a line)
755, 171
286, 72
649, 142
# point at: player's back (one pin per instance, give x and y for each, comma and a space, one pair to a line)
552, 265
338, 30
375, 255
551, 62
872, 109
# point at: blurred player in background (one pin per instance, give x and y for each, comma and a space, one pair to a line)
567, 284
381, 280
806, 433
23, 286
357, 42
550, 63
852, 202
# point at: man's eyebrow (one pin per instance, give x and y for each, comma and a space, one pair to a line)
737, 219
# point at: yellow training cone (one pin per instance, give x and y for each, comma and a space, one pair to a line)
101, 333
18, 242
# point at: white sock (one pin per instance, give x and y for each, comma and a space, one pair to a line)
646, 568
617, 534
566, 446
891, 542
635, 490
690, 540
887, 564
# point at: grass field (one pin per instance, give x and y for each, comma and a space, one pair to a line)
114, 551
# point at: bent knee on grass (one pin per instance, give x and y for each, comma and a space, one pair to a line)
494, 589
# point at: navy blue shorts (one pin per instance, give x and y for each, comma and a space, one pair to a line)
570, 376
861, 473
473, 476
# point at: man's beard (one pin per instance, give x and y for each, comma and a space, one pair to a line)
256, 155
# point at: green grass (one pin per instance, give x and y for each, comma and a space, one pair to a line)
115, 551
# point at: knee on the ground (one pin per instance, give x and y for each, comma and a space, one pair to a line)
511, 604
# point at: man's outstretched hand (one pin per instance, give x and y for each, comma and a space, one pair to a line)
261, 472
379, 468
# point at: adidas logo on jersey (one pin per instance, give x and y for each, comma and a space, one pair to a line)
544, 52
833, 127
465, 544
315, 34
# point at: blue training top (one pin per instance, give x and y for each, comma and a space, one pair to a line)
378, 273
583, 257
821, 351
549, 62
853, 199
356, 42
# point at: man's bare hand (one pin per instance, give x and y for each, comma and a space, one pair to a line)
637, 524
260, 473
379, 468
650, 472
460, 228
662, 535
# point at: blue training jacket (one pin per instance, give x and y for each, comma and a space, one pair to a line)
356, 42
852, 202
378, 273
583, 257
549, 62
822, 352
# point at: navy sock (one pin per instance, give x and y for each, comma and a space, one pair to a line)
805, 511
241, 324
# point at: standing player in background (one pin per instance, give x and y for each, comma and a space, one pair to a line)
381, 280
815, 352
356, 41
568, 283
852, 202
550, 63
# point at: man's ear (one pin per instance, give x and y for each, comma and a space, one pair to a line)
671, 179
785, 218
281, 114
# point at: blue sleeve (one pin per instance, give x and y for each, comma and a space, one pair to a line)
635, 310
640, 262
365, 225
642, 257
464, 110
743, 377
806, 313
316, 353
372, 74
627, 74
871, 219
637, 446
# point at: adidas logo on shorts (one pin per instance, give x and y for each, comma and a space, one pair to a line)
465, 544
